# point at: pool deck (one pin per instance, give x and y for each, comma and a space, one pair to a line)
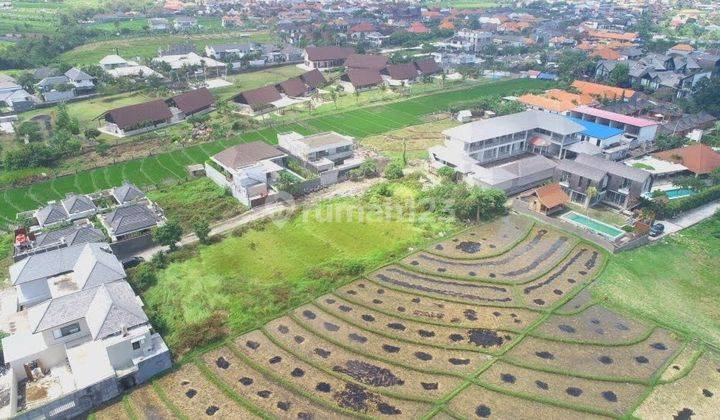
566, 217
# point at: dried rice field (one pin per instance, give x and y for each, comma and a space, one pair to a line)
520, 337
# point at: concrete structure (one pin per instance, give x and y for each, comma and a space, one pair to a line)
321, 152
639, 129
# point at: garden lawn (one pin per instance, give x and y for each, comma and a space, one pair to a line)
675, 282
359, 123
269, 270
196, 200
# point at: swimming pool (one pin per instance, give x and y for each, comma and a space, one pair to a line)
679, 193
608, 231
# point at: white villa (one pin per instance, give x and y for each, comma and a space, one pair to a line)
81, 336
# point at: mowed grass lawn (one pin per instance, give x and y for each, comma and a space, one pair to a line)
155, 170
267, 271
675, 282
87, 111
147, 46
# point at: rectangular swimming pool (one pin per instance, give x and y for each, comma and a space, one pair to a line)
679, 193
604, 229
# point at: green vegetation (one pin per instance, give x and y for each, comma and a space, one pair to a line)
200, 199
156, 170
147, 46
674, 282
6, 251
271, 268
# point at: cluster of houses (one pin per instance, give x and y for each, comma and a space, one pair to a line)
562, 138
280, 95
51, 88
78, 334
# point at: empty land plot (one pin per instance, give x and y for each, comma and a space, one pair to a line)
579, 302
615, 398
416, 356
435, 311
197, 397
542, 250
114, 411
349, 396
396, 276
696, 395
595, 324
380, 376
487, 240
477, 339
682, 363
260, 390
479, 402
580, 267
147, 405
635, 362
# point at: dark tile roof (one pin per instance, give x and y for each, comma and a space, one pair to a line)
366, 61
260, 96
293, 87
127, 192
405, 71
74, 203
132, 218
71, 235
193, 101
427, 66
132, 115
245, 154
328, 53
313, 78
361, 78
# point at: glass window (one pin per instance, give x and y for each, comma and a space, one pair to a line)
67, 330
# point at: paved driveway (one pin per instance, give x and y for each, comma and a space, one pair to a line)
689, 218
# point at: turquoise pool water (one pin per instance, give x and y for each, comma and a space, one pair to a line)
610, 232
679, 193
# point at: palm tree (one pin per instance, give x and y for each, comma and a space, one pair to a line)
591, 192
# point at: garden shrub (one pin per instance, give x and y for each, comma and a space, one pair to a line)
671, 208
143, 277
394, 170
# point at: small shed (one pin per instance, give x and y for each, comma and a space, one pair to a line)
548, 199
464, 116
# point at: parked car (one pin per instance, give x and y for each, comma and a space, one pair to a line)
132, 262
657, 229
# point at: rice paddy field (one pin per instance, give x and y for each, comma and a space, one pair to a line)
495, 321
155, 170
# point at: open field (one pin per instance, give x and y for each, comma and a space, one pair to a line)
417, 139
147, 46
360, 123
414, 344
675, 282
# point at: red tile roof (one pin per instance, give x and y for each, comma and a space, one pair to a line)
698, 158
404, 71
552, 195
427, 66
362, 27
366, 61
260, 96
132, 115
362, 78
293, 87
193, 101
418, 28
245, 154
313, 78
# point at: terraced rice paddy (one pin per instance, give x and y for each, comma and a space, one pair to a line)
157, 169
407, 341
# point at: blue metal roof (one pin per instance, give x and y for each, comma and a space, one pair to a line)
596, 130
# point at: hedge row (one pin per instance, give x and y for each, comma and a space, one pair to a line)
671, 208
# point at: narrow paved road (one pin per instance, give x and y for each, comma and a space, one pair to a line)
343, 189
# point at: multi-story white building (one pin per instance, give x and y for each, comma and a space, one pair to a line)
81, 335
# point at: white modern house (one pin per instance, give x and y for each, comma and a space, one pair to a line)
81, 335
321, 152
248, 170
495, 152
118, 67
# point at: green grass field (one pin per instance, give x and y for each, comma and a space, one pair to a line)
154, 170
268, 270
148, 46
196, 200
675, 282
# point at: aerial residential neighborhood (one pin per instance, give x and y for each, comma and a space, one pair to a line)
359, 209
